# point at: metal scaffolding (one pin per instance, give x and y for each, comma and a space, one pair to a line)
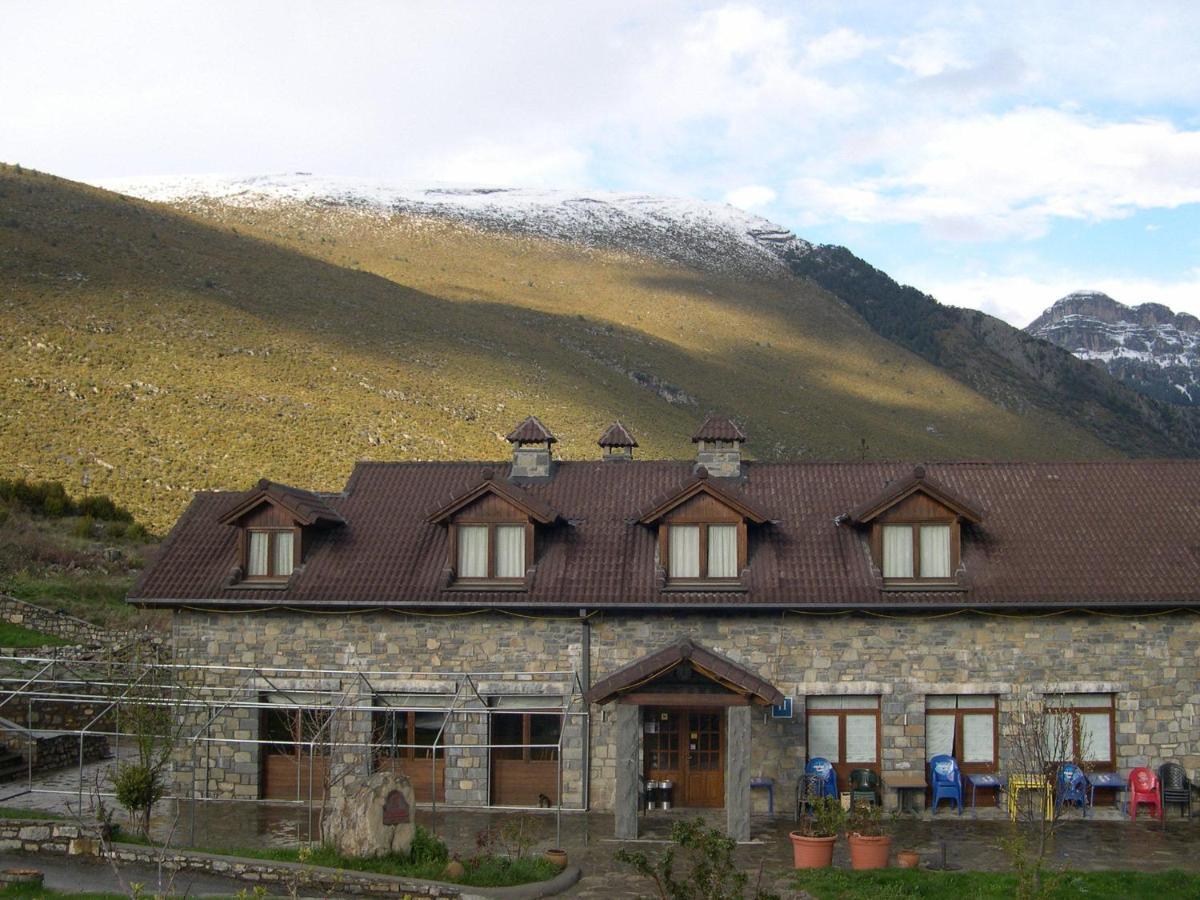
206, 701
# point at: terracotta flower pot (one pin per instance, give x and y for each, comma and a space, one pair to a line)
811, 852
908, 859
556, 856
869, 852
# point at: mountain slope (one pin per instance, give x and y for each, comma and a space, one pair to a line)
165, 351
1148, 347
1015, 370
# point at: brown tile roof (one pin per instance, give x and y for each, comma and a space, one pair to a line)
531, 431
718, 668
616, 435
1055, 534
538, 510
305, 507
718, 428
663, 504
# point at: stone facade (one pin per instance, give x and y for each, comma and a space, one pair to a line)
1151, 663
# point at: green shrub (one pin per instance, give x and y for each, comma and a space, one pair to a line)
427, 848
85, 527
138, 787
101, 506
136, 532
116, 529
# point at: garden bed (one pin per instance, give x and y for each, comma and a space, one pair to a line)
896, 884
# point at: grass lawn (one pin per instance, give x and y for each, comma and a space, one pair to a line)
99, 599
9, 812
19, 636
895, 884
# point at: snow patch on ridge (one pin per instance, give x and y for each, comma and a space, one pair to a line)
713, 235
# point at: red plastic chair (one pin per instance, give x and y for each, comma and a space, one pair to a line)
1143, 788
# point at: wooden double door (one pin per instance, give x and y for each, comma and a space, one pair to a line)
686, 746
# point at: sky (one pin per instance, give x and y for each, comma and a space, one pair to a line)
996, 155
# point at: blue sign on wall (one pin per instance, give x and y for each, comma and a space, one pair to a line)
783, 711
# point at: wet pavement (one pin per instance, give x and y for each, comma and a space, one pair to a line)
1105, 840
76, 875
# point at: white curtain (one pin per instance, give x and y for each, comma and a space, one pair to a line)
510, 551
685, 551
1095, 733
284, 543
979, 736
1059, 741
860, 739
939, 736
722, 551
935, 551
472, 551
260, 542
897, 551
823, 738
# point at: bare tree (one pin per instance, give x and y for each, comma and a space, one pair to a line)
1037, 742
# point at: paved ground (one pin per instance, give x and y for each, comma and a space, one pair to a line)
1106, 840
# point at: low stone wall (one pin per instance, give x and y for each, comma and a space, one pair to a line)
57, 751
33, 835
47, 621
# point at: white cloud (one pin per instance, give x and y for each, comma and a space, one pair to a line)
749, 196
1011, 175
838, 46
1019, 299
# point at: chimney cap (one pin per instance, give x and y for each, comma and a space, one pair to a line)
617, 435
718, 428
531, 431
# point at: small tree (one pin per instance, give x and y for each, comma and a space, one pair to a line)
1036, 744
710, 870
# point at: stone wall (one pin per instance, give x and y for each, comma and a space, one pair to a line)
54, 751
40, 836
69, 628
1151, 663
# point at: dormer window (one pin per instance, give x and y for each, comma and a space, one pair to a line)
916, 528
270, 554
918, 552
703, 535
491, 551
490, 533
703, 551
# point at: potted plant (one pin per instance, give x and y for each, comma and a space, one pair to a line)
870, 843
812, 844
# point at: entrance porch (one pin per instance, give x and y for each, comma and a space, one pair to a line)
683, 715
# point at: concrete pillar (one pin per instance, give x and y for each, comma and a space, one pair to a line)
625, 805
737, 772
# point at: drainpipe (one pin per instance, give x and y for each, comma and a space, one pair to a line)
585, 675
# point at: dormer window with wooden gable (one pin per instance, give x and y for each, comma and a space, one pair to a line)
272, 521
491, 530
916, 532
703, 538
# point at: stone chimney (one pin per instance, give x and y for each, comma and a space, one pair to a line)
719, 446
617, 444
531, 442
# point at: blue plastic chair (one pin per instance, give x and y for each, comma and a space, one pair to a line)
946, 781
1071, 786
822, 767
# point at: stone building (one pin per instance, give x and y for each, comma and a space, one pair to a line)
535, 631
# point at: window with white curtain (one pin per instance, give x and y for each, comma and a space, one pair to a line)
685, 551
962, 726
935, 551
921, 552
844, 729
897, 551
472, 551
270, 554
722, 551
510, 551
491, 551
1079, 728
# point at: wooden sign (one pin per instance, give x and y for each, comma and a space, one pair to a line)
395, 809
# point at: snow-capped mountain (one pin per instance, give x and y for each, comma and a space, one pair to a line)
712, 235
1149, 347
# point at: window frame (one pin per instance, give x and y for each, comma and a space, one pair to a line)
915, 525
492, 524
958, 712
526, 752
842, 766
406, 749
664, 549
1096, 765
274, 533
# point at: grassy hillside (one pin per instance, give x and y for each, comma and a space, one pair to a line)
163, 352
